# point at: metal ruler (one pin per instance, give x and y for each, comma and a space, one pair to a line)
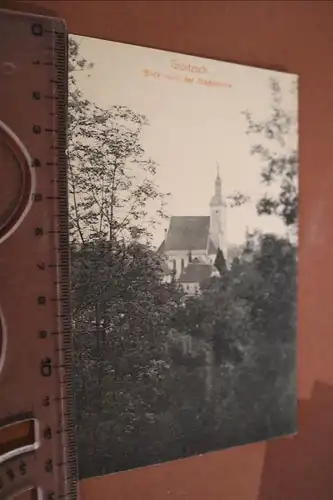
37, 448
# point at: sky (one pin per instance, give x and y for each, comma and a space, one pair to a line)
194, 107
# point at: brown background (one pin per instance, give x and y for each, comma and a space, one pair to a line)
295, 36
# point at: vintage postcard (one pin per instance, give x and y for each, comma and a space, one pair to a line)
183, 181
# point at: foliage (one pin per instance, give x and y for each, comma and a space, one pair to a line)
106, 198
278, 155
120, 349
220, 262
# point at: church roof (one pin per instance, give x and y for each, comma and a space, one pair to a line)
187, 233
196, 273
161, 248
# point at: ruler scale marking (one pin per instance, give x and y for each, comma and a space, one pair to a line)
39, 337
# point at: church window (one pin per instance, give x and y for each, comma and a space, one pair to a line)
182, 264
174, 264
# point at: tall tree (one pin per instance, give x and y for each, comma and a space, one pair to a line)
265, 381
122, 362
220, 262
276, 147
111, 179
121, 310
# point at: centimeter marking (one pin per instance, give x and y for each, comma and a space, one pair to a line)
63, 340
68, 462
61, 205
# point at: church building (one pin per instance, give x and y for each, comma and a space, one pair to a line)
191, 243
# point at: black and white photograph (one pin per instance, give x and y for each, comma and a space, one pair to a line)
183, 194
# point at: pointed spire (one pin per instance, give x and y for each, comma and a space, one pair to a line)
218, 170
218, 183
217, 197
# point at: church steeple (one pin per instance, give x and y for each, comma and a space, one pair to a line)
217, 198
218, 178
217, 214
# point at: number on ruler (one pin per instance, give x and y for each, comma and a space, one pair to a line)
23, 468
46, 401
37, 196
47, 433
36, 162
11, 474
36, 95
48, 466
46, 367
37, 29
36, 129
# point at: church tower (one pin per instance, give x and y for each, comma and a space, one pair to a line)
218, 216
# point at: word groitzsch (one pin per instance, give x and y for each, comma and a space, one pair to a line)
188, 67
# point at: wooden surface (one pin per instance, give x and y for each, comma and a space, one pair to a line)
294, 36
